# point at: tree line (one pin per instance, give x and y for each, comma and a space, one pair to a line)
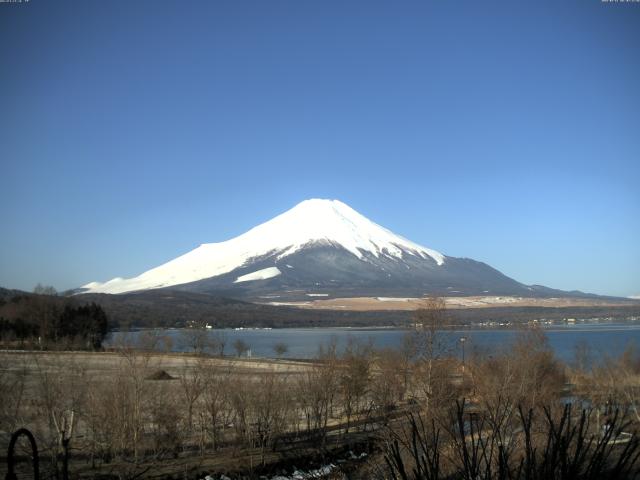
44, 320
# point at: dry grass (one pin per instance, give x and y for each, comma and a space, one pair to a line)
363, 304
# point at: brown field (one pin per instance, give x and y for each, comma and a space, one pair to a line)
97, 365
38, 386
363, 304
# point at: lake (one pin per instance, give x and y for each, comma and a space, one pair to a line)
604, 338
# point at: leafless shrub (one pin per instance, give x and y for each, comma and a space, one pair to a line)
468, 447
216, 398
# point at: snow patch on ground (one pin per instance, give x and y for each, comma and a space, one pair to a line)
288, 304
481, 301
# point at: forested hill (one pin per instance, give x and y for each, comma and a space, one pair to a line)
6, 294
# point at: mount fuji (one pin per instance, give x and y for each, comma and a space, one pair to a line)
322, 248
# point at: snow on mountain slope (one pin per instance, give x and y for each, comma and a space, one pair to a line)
263, 274
309, 222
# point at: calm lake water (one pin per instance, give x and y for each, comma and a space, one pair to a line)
604, 339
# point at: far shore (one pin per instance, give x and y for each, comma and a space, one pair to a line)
365, 304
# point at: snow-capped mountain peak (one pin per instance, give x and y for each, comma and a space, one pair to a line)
319, 220
314, 221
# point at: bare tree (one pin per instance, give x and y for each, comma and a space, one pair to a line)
240, 402
316, 390
40, 289
617, 382
582, 357
196, 338
241, 347
354, 377
12, 394
216, 398
135, 367
60, 389
280, 349
388, 381
166, 420
192, 384
219, 342
542, 445
270, 404
407, 354
431, 341
526, 374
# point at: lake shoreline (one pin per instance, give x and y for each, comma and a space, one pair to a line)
604, 338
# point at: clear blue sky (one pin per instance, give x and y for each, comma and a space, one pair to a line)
507, 132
